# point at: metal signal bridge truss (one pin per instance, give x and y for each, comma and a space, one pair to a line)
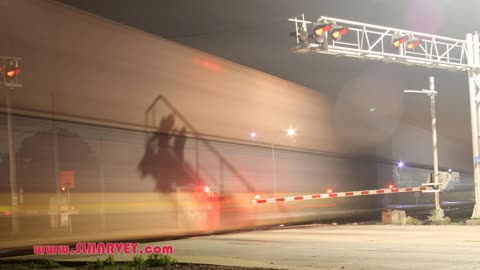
373, 42
366, 41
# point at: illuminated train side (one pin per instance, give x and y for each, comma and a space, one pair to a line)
140, 118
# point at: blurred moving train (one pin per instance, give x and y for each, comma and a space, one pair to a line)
154, 138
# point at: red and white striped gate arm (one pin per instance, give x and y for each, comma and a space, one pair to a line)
339, 194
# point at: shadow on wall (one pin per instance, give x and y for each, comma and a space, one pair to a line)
45, 152
159, 149
164, 158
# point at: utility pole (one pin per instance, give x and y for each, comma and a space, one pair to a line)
432, 93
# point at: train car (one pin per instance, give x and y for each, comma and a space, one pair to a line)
119, 134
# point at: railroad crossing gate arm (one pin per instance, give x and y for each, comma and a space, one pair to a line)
340, 194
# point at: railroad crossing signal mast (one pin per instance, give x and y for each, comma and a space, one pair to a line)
366, 41
9, 78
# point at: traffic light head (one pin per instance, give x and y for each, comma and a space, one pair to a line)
412, 43
338, 32
11, 71
398, 40
320, 30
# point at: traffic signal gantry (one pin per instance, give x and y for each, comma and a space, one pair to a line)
366, 41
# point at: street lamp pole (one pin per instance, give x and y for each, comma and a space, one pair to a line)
432, 93
274, 169
290, 133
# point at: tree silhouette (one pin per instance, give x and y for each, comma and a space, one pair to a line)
36, 162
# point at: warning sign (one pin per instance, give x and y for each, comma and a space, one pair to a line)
67, 179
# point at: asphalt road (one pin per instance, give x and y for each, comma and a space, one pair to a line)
332, 247
341, 247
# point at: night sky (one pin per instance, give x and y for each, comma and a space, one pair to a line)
254, 33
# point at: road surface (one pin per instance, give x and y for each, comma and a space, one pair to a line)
331, 247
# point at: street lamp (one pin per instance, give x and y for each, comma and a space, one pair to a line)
432, 93
291, 132
253, 136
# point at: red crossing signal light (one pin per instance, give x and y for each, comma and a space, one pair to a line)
398, 40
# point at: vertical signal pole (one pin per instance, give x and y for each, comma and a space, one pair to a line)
13, 165
9, 68
432, 95
476, 55
473, 61
69, 207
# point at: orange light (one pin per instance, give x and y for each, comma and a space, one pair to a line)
206, 189
411, 44
63, 189
329, 190
319, 31
256, 197
398, 40
338, 31
390, 186
12, 73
